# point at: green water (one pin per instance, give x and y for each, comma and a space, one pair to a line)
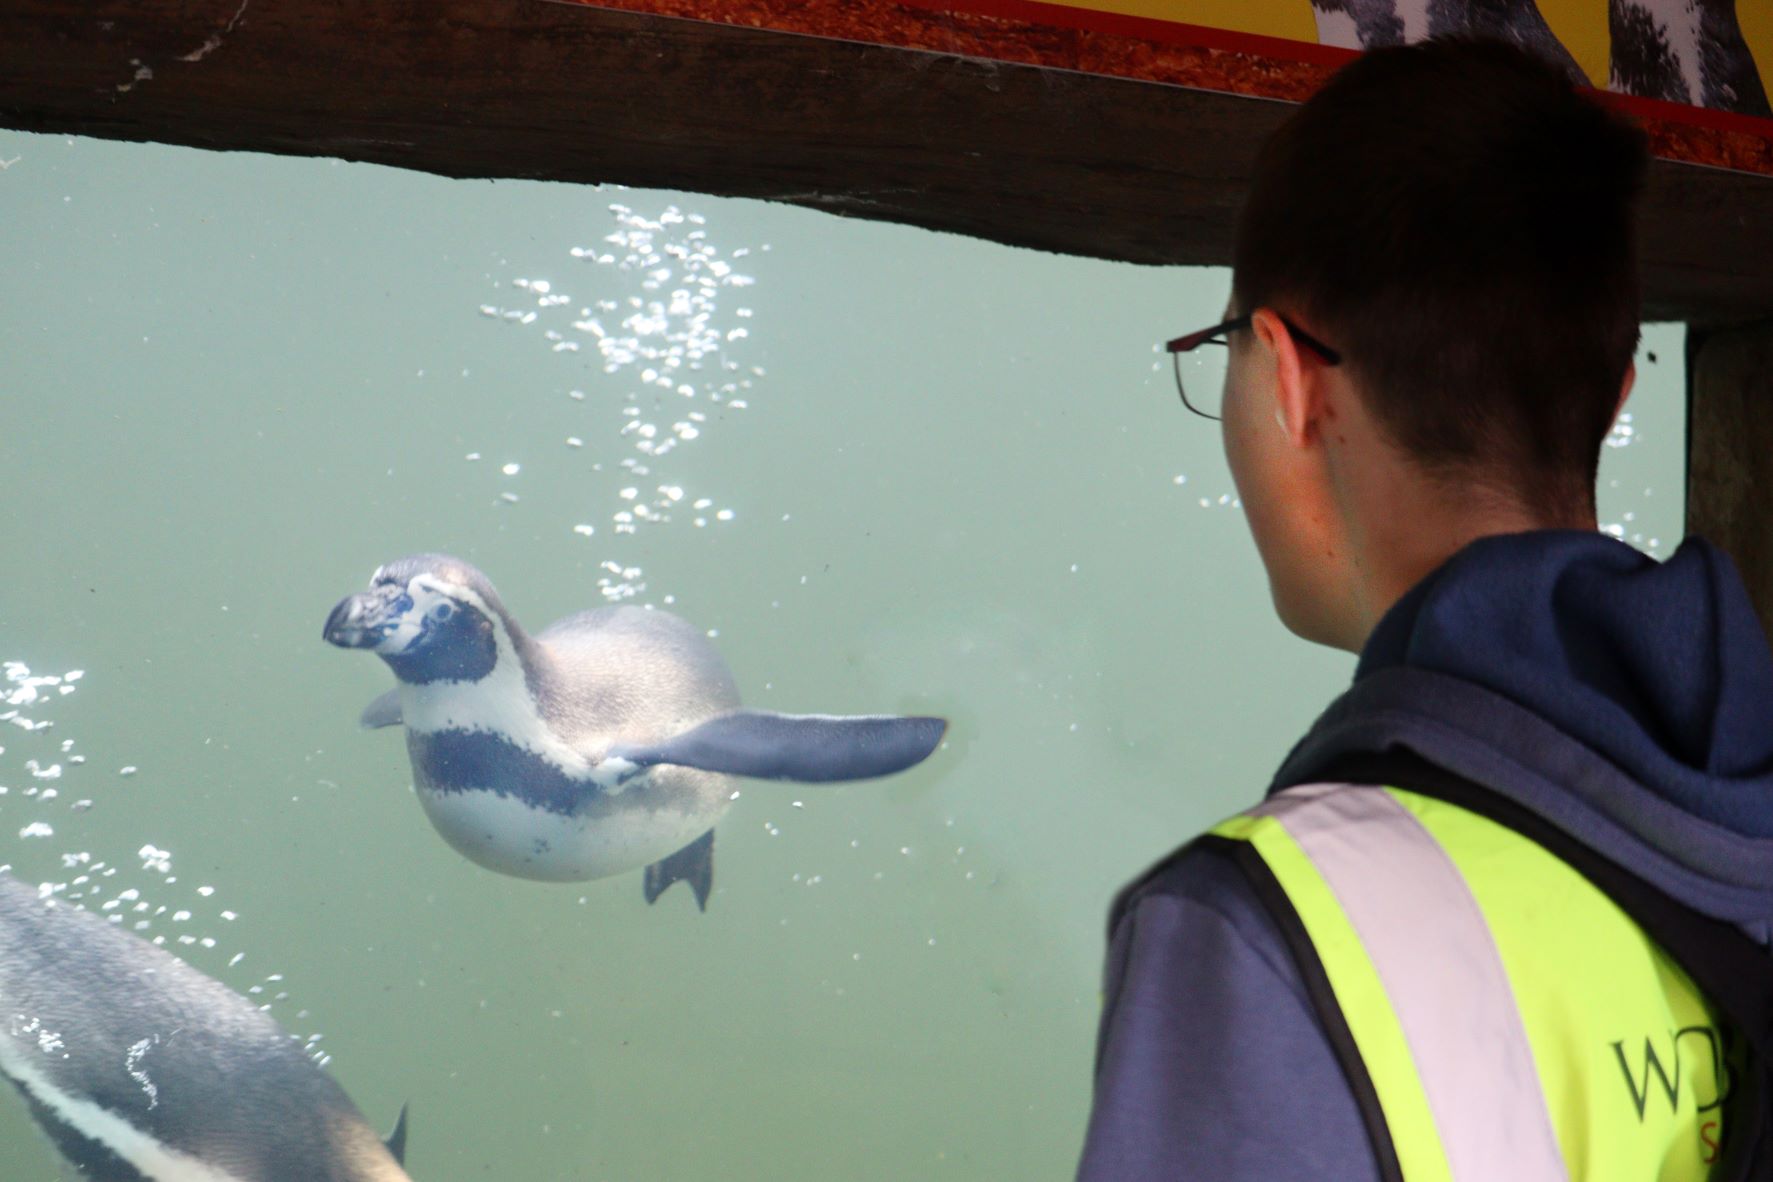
960, 483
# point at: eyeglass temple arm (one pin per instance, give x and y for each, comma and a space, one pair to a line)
1194, 340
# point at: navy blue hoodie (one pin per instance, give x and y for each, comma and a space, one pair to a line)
1629, 703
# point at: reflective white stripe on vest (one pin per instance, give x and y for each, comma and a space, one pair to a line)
1427, 939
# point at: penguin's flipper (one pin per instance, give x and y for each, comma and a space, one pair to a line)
383, 711
694, 864
811, 748
396, 1141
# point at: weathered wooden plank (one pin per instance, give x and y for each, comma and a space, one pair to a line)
522, 88
1730, 451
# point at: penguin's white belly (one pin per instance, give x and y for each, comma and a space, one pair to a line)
502, 833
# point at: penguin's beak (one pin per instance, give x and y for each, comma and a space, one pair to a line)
359, 621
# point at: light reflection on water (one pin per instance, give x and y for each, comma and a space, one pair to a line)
670, 353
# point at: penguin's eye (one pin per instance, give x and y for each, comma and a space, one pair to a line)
442, 611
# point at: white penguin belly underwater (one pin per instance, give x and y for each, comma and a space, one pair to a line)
608, 741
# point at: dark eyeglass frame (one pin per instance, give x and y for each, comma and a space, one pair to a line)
1216, 335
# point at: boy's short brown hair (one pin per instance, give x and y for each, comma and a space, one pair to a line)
1457, 219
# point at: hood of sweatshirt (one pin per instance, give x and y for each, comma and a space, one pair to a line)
1629, 702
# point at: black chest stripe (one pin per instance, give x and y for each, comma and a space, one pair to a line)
464, 761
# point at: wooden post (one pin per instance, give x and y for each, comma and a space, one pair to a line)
1730, 450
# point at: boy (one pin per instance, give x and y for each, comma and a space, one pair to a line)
1505, 911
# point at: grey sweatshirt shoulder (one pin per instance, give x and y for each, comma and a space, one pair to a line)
1211, 1062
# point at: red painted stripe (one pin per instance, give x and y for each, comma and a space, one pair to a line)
1144, 28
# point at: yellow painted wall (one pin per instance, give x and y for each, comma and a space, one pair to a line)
1291, 19
1581, 25
1756, 19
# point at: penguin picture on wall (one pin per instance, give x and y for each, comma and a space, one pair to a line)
606, 742
1371, 24
1684, 51
1692, 52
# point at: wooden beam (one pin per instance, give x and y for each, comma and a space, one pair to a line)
1035, 157
1730, 451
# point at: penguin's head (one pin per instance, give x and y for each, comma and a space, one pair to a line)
430, 617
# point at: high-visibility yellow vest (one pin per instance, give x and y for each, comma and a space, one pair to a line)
1514, 1023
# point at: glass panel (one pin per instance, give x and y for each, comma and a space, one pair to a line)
947, 476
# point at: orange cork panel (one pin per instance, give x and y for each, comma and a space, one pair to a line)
1119, 45
1695, 136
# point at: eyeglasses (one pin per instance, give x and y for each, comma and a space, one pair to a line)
1217, 335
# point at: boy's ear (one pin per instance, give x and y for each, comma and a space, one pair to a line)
1295, 408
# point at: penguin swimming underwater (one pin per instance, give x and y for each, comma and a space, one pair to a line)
606, 742
140, 1067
